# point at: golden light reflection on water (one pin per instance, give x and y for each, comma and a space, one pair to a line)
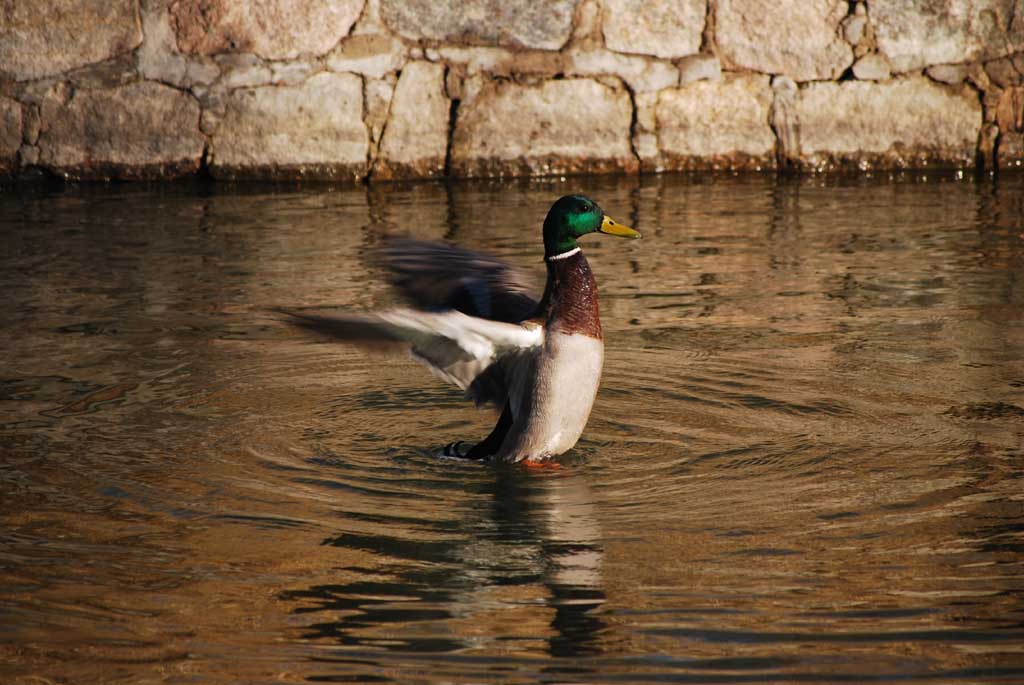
804, 463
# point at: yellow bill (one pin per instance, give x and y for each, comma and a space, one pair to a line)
610, 227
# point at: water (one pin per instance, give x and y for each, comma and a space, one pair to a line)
804, 465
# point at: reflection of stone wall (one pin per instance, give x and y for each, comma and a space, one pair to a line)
423, 88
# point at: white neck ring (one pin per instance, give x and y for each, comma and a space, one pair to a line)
563, 255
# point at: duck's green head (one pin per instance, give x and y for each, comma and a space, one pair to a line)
574, 216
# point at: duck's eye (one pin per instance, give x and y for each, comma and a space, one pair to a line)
583, 209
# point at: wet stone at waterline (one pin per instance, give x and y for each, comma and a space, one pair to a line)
803, 464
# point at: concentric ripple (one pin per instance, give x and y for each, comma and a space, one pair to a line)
803, 464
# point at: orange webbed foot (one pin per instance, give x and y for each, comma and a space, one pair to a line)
543, 465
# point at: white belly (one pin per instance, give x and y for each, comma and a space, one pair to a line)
551, 414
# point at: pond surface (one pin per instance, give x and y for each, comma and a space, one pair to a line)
804, 465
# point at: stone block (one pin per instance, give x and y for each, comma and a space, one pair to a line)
28, 155
1010, 110
952, 74
415, 140
503, 61
908, 123
1003, 72
10, 135
313, 130
645, 137
918, 34
872, 67
801, 39
371, 55
158, 59
47, 37
699, 68
31, 124
242, 70
139, 131
377, 94
1011, 151
587, 28
785, 121
666, 29
540, 24
273, 29
562, 126
292, 73
716, 125
854, 25
118, 71
476, 60
643, 74
987, 139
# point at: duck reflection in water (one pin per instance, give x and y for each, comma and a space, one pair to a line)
549, 519
524, 575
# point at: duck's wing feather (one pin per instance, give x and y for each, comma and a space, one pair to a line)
434, 275
483, 357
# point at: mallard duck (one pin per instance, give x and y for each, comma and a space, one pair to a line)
475, 324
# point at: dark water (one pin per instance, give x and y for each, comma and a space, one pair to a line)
805, 463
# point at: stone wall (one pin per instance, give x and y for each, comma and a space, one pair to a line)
386, 89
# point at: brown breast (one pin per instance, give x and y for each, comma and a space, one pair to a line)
570, 304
